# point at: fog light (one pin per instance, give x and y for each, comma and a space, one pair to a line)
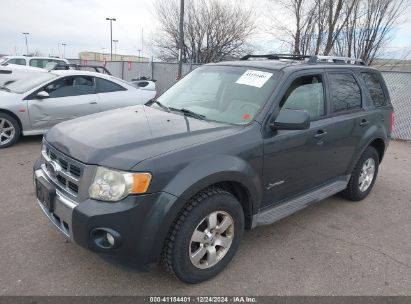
110, 239
105, 238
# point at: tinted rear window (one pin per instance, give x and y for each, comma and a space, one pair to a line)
375, 88
345, 92
106, 86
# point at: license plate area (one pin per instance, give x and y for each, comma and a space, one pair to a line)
45, 193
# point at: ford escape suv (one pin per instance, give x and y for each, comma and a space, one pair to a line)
231, 146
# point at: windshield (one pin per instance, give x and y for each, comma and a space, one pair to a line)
222, 93
26, 84
2, 59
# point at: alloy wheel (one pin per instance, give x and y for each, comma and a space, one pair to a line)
366, 175
7, 131
211, 240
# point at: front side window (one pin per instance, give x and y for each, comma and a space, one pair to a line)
345, 92
375, 88
106, 86
225, 94
70, 86
18, 61
306, 93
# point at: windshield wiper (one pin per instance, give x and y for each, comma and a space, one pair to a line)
152, 101
5, 88
189, 113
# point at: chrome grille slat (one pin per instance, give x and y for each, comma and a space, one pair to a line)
68, 173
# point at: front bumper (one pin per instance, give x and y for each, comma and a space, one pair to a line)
142, 221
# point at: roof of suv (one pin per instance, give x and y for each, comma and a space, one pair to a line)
293, 65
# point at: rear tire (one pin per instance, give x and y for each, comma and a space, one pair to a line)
204, 237
9, 130
363, 176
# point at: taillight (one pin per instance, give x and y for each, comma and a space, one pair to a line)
392, 121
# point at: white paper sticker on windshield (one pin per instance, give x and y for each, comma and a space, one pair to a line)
254, 78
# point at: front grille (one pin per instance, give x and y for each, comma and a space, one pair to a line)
63, 170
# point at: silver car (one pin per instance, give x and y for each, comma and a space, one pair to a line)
33, 105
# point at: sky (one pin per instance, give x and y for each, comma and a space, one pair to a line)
82, 26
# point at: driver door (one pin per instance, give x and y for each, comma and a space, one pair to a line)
69, 97
296, 161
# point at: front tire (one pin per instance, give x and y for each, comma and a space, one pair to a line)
363, 176
9, 130
205, 236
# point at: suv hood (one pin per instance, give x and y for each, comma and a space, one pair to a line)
122, 138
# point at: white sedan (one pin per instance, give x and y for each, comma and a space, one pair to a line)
33, 105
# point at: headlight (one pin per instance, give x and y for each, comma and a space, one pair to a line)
113, 185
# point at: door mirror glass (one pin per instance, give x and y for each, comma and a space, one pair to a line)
42, 95
291, 120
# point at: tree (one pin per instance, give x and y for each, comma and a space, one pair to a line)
213, 29
359, 28
369, 28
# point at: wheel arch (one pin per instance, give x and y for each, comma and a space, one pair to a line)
8, 112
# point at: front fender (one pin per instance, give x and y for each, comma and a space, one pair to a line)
201, 174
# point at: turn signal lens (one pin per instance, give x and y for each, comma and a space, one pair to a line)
141, 181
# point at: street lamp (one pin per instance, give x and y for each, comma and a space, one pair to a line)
27, 46
111, 36
64, 50
115, 49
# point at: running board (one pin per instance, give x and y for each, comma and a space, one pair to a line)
287, 208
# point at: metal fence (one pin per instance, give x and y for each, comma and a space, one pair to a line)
399, 85
164, 73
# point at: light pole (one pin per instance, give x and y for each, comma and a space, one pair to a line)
115, 48
27, 46
181, 41
111, 36
139, 55
64, 50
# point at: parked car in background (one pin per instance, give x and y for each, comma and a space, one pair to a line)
32, 105
12, 72
231, 146
37, 62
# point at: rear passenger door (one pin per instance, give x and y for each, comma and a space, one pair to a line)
348, 119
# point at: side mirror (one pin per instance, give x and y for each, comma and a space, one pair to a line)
42, 95
291, 120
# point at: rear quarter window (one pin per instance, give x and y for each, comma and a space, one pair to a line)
106, 86
374, 87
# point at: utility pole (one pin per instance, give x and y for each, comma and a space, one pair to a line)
64, 50
111, 36
115, 49
142, 42
181, 41
27, 45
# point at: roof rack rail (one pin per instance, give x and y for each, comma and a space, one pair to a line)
312, 59
276, 56
335, 59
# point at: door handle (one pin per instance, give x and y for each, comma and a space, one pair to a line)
364, 122
320, 134
93, 102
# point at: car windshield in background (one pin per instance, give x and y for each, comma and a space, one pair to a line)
26, 84
2, 60
222, 93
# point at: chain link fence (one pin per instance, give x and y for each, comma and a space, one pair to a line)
399, 85
165, 74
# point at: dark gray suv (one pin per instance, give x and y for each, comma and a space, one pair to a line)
231, 146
